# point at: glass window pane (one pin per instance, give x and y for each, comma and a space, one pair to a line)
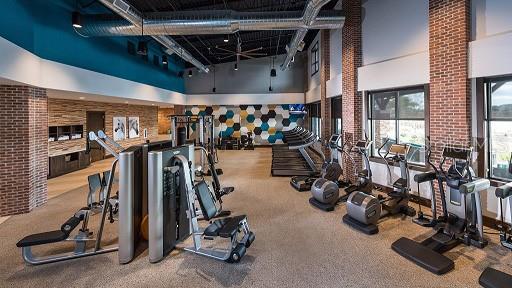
384, 105
501, 147
412, 132
411, 104
501, 99
383, 129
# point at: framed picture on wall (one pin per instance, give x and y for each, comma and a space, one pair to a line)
119, 128
133, 127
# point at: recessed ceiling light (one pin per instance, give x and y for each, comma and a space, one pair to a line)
81, 97
226, 38
126, 102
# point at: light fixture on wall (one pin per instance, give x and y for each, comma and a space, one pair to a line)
142, 48
236, 66
270, 78
76, 19
189, 73
164, 59
226, 38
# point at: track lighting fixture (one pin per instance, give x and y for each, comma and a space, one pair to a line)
189, 73
142, 48
226, 38
269, 88
164, 59
214, 90
76, 20
236, 66
273, 72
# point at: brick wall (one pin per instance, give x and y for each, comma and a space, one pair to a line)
450, 92
164, 124
352, 100
325, 71
23, 149
63, 112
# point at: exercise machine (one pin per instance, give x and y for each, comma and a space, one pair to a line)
430, 176
364, 210
331, 170
490, 277
200, 130
79, 218
462, 211
299, 156
173, 216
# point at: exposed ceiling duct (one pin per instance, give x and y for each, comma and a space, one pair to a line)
133, 16
310, 13
207, 22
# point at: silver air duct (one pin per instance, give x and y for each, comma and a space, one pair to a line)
310, 13
134, 17
207, 22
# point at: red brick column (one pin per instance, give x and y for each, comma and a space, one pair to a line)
352, 100
450, 90
23, 149
325, 72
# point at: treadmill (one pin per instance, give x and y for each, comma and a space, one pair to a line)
462, 214
298, 157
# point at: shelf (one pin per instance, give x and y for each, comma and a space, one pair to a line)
65, 133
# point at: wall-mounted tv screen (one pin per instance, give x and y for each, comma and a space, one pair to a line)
297, 109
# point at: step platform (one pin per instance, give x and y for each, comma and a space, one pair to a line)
423, 256
369, 229
492, 278
322, 206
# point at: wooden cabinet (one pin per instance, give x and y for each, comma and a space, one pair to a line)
66, 163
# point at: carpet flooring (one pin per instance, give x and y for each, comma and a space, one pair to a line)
296, 245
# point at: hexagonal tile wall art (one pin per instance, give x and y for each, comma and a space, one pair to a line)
266, 122
250, 109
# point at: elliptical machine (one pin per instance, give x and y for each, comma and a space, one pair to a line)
364, 209
462, 210
325, 191
331, 170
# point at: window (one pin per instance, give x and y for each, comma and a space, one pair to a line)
315, 59
400, 116
315, 121
499, 127
336, 113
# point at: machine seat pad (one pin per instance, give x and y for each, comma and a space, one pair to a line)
225, 227
42, 238
423, 256
492, 278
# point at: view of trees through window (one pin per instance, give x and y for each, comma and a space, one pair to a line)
499, 127
399, 116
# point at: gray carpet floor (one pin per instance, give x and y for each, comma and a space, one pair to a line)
296, 245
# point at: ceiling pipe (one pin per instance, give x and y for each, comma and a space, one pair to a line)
207, 22
135, 17
310, 13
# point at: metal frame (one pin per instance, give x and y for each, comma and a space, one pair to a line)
84, 235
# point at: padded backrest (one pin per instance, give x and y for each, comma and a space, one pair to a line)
94, 186
206, 200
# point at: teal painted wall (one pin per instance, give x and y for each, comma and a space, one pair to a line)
44, 28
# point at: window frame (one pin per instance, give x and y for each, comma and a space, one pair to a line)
487, 124
315, 59
397, 119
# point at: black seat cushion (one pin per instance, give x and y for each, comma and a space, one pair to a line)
492, 278
423, 256
42, 238
225, 227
